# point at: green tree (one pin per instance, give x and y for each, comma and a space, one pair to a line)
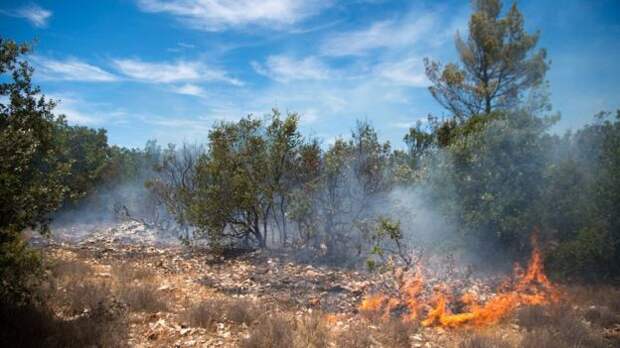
498, 64
31, 174
283, 148
496, 170
582, 200
232, 198
88, 152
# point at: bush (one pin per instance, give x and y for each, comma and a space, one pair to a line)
20, 270
588, 255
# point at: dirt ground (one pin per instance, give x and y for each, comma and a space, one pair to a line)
169, 295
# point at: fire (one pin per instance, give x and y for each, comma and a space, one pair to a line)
529, 287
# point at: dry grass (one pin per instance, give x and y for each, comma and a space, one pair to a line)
205, 314
395, 333
476, 340
141, 297
73, 290
281, 331
532, 317
274, 331
311, 332
86, 296
602, 316
126, 274
69, 270
388, 333
37, 326
599, 295
556, 326
355, 336
136, 288
243, 311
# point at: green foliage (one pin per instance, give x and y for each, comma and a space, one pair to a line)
245, 177
496, 165
498, 66
20, 268
589, 254
87, 151
583, 201
31, 172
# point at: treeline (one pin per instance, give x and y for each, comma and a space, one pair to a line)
482, 178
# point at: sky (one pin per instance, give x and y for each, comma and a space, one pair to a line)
169, 70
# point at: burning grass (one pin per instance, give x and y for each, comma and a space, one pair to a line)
526, 287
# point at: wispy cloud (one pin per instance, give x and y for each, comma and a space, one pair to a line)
170, 72
181, 46
215, 15
71, 69
284, 69
35, 14
408, 72
381, 34
83, 113
190, 89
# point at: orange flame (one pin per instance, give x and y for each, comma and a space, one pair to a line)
531, 287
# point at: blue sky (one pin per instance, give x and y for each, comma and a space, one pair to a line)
168, 70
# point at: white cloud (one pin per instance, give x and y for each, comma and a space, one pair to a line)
408, 72
83, 113
382, 34
164, 72
35, 14
285, 69
70, 69
215, 15
190, 89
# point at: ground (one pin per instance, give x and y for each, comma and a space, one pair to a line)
165, 294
